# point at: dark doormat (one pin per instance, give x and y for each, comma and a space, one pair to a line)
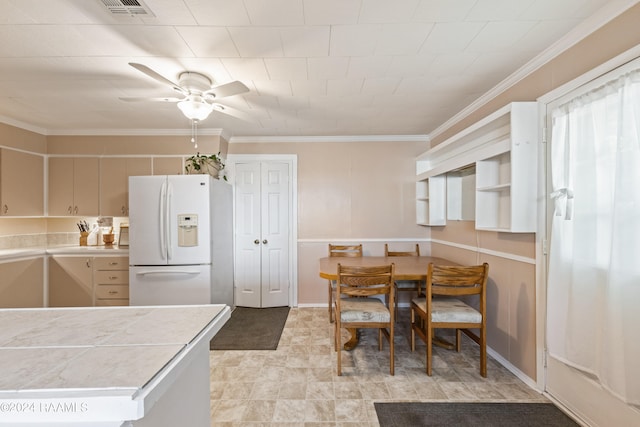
471, 414
251, 329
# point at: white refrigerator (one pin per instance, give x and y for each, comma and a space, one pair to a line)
180, 240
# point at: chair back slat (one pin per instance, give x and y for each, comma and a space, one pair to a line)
345, 250
365, 280
457, 280
388, 253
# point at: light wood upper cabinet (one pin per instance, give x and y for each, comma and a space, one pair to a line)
74, 186
21, 284
114, 182
21, 183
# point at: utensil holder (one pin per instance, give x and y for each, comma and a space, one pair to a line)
83, 238
108, 239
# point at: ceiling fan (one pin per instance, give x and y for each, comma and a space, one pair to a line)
200, 95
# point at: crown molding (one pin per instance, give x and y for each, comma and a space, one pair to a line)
343, 138
133, 132
22, 125
605, 14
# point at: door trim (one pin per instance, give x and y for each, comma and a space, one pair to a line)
292, 160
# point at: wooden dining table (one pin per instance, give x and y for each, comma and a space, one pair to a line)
406, 268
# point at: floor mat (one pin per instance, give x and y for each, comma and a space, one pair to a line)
251, 329
471, 414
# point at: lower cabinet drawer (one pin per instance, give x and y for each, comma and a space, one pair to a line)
111, 302
115, 277
112, 292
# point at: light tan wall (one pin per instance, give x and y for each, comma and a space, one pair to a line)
131, 144
11, 136
511, 292
362, 192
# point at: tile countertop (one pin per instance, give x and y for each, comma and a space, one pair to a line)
98, 352
7, 254
129, 344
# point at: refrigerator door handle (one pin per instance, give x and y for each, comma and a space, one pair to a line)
168, 221
165, 271
163, 216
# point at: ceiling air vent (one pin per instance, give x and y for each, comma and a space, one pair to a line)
128, 7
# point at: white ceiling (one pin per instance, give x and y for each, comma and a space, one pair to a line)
314, 67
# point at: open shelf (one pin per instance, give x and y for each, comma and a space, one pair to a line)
503, 147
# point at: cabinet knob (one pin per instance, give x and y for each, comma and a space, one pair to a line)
5, 209
123, 210
113, 262
75, 211
113, 292
265, 241
70, 210
257, 242
113, 277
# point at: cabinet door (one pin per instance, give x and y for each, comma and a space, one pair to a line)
86, 188
73, 186
114, 177
21, 183
70, 282
60, 186
21, 285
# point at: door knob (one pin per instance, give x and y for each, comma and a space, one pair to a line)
257, 242
265, 241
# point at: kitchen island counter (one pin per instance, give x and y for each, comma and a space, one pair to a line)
112, 366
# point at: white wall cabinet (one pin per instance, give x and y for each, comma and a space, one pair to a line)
503, 147
21, 183
431, 201
506, 183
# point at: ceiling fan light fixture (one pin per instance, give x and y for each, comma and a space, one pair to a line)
195, 108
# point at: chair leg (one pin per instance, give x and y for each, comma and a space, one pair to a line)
395, 289
338, 347
483, 352
391, 350
429, 334
458, 340
330, 304
413, 332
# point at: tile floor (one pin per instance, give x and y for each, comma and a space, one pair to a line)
297, 385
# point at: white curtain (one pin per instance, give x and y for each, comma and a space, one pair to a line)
594, 260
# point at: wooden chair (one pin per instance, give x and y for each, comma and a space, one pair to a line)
340, 251
404, 285
450, 312
356, 304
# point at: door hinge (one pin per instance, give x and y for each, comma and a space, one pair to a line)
544, 246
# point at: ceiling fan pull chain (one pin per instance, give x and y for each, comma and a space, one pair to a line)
194, 133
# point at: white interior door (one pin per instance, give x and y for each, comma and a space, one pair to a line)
263, 225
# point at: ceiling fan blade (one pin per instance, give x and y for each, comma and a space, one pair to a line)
149, 72
150, 99
232, 112
227, 89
